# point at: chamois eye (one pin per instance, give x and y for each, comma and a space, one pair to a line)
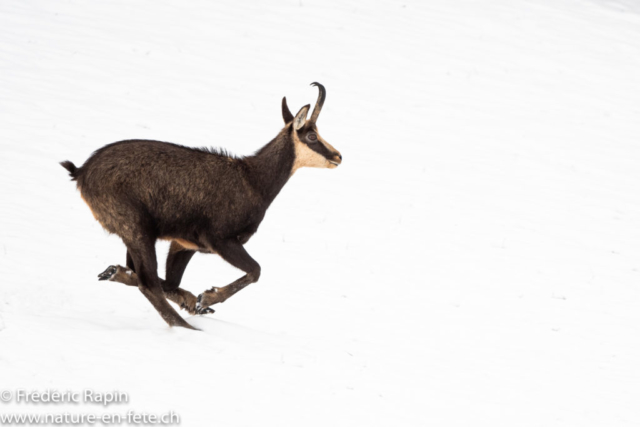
312, 137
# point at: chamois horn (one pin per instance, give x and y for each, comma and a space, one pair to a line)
286, 113
321, 97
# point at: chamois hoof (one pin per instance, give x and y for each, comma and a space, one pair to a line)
203, 311
197, 311
210, 297
108, 273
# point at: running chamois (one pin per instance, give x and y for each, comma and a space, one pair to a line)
201, 200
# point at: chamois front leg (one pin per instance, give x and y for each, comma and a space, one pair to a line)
183, 298
234, 253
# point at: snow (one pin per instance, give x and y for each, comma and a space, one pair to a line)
473, 261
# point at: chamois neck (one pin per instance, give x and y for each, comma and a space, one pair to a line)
271, 167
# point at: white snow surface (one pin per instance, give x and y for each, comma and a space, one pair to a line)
474, 260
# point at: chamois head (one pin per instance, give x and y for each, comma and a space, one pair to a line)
310, 148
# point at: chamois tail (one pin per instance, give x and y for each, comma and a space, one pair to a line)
73, 170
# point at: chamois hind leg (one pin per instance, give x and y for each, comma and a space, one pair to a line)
118, 273
234, 253
176, 264
183, 298
177, 261
143, 255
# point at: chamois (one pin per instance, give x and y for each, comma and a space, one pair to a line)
202, 200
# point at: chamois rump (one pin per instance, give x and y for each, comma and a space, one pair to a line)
202, 200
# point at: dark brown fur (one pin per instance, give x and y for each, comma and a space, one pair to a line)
147, 190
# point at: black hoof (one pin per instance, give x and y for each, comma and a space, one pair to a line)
108, 273
198, 311
203, 311
198, 301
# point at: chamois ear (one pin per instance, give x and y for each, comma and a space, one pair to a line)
286, 113
301, 117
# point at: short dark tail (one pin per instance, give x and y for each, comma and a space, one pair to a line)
73, 170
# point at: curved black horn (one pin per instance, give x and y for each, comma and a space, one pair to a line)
321, 97
286, 113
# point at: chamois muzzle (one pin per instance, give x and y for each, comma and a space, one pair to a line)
337, 159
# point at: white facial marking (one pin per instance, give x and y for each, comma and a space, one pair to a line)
306, 157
